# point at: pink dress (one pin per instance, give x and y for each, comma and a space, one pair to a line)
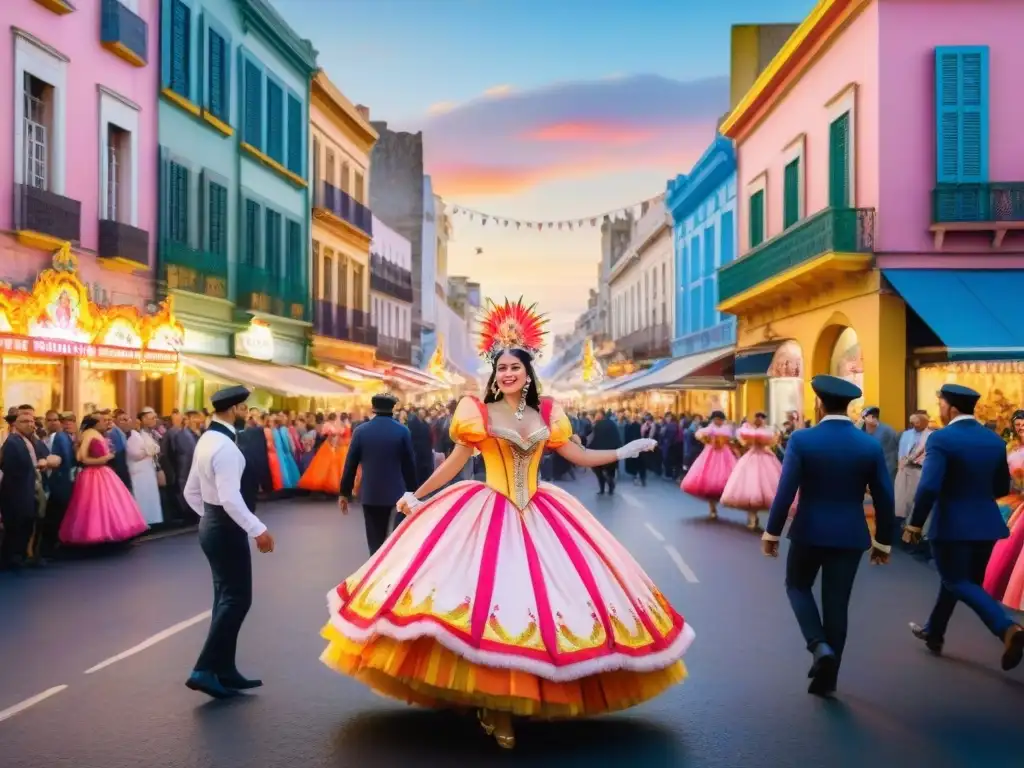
710, 472
754, 481
102, 510
1004, 577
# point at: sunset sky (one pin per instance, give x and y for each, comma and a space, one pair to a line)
538, 110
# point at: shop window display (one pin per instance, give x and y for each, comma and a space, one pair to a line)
1001, 384
786, 383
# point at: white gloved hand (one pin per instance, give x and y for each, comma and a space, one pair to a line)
633, 449
408, 503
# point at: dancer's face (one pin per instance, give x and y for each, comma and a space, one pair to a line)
1018, 428
510, 374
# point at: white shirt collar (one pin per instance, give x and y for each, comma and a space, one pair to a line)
962, 418
224, 424
835, 417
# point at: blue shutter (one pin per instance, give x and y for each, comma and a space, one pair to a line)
961, 107
217, 82
218, 219
695, 307
679, 288
296, 131
253, 106
695, 265
272, 249
710, 317
275, 121
294, 253
728, 248
709, 250
181, 37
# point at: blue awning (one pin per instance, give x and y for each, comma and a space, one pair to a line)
975, 312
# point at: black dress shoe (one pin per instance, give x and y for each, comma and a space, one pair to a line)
824, 671
933, 644
238, 683
1014, 653
210, 684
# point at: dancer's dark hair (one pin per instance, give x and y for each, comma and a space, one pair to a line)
532, 393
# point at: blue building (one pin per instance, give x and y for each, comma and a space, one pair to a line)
703, 208
234, 193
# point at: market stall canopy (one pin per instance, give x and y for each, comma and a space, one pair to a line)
285, 380
676, 370
623, 383
416, 376
958, 306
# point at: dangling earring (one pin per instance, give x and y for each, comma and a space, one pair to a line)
521, 408
495, 390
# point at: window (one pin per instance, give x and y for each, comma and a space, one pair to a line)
357, 287
961, 120
757, 218
346, 182
695, 263
839, 162
217, 219
294, 252
728, 246
252, 133
272, 243
251, 251
38, 130
710, 292
695, 307
791, 194
343, 282
218, 81
316, 271
328, 282
296, 132
178, 183
118, 173
359, 188
180, 74
330, 168
275, 121
709, 251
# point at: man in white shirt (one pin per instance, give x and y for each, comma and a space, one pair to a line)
213, 491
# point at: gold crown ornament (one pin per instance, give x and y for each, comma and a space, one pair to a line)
511, 325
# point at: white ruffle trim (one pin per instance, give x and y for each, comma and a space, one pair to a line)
649, 663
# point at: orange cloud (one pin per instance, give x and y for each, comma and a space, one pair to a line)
591, 133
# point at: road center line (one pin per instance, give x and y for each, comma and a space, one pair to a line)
684, 569
21, 706
654, 532
631, 500
150, 641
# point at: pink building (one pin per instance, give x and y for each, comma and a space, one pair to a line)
80, 103
881, 213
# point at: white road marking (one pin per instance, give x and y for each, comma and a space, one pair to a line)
631, 500
151, 641
684, 569
20, 707
654, 532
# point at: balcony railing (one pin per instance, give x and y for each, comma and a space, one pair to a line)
344, 206
124, 33
261, 291
840, 230
652, 341
978, 203
37, 210
394, 350
123, 241
188, 269
337, 322
387, 277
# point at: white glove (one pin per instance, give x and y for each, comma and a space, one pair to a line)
633, 449
408, 503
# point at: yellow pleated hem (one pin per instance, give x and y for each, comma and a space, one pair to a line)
425, 673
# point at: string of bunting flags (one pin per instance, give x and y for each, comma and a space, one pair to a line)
594, 220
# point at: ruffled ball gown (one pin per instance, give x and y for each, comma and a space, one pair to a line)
102, 510
506, 595
324, 472
1004, 577
285, 451
755, 478
710, 472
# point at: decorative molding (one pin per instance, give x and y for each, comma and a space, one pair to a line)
180, 101
273, 165
28, 37
337, 105
713, 168
115, 95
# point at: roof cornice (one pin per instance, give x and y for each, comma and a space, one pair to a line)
344, 112
260, 16
713, 168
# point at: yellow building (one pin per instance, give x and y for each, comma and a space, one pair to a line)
807, 295
344, 338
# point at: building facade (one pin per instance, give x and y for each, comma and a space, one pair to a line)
234, 181
844, 191
391, 293
79, 100
342, 140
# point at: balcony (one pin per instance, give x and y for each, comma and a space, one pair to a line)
188, 269
646, 343
340, 205
46, 220
391, 279
995, 208
124, 33
124, 245
60, 7
332, 321
394, 350
815, 250
261, 291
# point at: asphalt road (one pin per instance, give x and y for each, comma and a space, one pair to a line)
744, 706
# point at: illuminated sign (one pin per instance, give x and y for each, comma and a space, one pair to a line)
256, 342
62, 348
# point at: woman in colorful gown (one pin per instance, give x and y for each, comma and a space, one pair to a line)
285, 449
507, 596
1004, 577
711, 470
755, 478
324, 473
102, 510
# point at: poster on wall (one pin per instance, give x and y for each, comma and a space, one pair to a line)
704, 402
786, 385
847, 362
1001, 385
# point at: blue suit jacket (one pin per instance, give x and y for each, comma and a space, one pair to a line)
384, 448
59, 482
832, 465
965, 471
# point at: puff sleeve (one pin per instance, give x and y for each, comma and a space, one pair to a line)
469, 425
560, 427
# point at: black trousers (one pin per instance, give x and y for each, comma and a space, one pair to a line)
377, 519
838, 569
226, 547
606, 476
16, 537
49, 527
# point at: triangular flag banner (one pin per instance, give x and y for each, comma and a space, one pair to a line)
634, 211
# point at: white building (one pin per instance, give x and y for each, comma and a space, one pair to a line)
640, 286
391, 293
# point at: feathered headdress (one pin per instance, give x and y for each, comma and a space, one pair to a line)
510, 326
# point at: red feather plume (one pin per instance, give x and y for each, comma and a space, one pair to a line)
511, 326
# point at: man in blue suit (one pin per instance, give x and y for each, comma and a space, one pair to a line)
831, 465
383, 447
964, 472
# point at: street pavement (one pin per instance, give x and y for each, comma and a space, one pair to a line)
95, 653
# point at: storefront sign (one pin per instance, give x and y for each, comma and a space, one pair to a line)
63, 348
256, 342
121, 333
204, 343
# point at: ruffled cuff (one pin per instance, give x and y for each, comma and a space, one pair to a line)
768, 537
886, 548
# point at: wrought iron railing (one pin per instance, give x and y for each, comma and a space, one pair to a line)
262, 291
120, 240
38, 210
189, 269
652, 341
978, 203
344, 206
391, 279
394, 350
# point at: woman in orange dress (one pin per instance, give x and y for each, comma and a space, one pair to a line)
324, 473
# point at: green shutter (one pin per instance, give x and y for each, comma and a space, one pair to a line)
253, 133
181, 37
839, 162
177, 203
217, 76
296, 132
252, 232
218, 219
791, 196
757, 218
272, 249
275, 121
294, 254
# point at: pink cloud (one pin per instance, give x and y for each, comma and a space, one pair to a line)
592, 132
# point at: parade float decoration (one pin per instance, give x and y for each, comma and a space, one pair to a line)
591, 368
